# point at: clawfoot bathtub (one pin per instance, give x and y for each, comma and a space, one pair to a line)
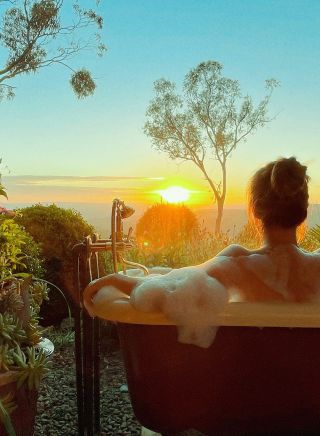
260, 376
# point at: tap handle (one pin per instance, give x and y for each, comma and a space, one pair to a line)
129, 233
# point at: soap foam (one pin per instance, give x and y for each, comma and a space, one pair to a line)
188, 297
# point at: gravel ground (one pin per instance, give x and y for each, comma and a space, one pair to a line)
57, 410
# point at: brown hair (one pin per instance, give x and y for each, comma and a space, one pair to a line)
278, 193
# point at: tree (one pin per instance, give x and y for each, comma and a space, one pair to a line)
36, 33
208, 121
164, 224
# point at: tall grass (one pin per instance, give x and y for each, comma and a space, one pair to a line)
193, 251
206, 245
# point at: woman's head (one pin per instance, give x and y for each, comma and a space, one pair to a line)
278, 193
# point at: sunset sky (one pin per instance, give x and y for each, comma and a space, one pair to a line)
58, 148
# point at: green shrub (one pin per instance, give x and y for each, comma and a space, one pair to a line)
166, 224
18, 250
56, 230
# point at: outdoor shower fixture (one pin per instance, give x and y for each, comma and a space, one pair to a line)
119, 242
88, 267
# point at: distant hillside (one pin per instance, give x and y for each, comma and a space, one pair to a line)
99, 215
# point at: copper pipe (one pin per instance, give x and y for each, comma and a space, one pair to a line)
135, 264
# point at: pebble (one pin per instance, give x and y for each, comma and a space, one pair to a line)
57, 408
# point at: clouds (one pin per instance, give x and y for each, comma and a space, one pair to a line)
71, 180
98, 189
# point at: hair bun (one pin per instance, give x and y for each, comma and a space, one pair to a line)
288, 177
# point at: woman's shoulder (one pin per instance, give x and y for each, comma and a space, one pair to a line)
235, 250
313, 256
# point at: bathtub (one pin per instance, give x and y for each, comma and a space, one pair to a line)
260, 376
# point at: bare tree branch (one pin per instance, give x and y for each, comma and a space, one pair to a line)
34, 36
211, 115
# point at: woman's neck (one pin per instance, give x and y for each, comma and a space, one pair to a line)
278, 235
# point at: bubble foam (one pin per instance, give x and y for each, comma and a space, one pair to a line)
188, 297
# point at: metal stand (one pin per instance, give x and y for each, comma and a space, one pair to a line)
87, 329
87, 347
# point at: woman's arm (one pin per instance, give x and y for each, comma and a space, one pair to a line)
122, 282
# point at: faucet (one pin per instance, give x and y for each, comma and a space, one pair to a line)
118, 242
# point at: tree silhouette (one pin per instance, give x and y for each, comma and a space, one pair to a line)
207, 122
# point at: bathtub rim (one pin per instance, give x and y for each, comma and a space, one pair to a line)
115, 306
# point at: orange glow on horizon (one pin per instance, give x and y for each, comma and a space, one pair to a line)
144, 191
175, 194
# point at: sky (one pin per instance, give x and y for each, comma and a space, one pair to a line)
61, 149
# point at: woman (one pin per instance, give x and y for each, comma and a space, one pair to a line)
278, 202
278, 271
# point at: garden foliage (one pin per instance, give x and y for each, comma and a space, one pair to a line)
57, 231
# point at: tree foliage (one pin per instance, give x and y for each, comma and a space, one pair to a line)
207, 121
56, 230
39, 33
166, 224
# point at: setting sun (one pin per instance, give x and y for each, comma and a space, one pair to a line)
175, 194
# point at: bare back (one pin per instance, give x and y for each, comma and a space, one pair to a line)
282, 273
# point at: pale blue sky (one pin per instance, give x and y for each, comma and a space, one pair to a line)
46, 131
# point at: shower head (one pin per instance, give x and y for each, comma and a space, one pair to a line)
126, 211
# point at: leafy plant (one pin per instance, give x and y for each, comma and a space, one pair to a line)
20, 302
18, 251
12, 240
6, 357
11, 331
30, 366
56, 230
7, 406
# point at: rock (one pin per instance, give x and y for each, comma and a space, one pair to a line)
123, 388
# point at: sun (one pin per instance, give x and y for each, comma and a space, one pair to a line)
175, 194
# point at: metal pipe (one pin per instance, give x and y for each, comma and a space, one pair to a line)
96, 374
135, 265
77, 313
87, 331
114, 234
107, 246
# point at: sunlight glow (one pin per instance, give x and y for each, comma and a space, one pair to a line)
175, 194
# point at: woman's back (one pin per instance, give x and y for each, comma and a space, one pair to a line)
283, 272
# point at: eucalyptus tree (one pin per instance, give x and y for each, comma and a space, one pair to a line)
40, 33
207, 121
